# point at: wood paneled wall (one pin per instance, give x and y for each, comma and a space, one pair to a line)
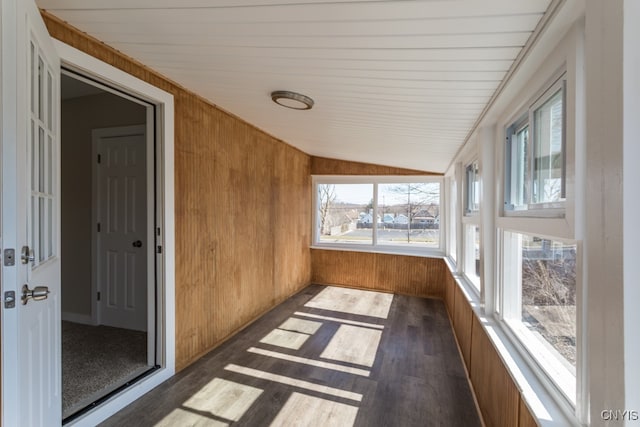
326, 166
498, 397
242, 212
417, 276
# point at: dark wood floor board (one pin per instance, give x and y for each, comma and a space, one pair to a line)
302, 365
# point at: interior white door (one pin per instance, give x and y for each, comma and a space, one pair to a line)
122, 216
31, 219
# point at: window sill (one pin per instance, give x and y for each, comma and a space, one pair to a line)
556, 212
418, 252
547, 405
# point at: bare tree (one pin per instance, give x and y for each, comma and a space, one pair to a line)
327, 196
419, 195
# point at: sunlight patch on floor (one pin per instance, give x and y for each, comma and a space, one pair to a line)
306, 385
353, 301
286, 339
183, 417
310, 411
353, 344
217, 399
310, 362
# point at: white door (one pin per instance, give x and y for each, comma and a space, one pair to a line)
122, 246
30, 218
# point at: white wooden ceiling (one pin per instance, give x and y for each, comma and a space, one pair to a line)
395, 82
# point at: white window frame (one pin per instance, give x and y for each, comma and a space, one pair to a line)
527, 118
452, 189
471, 192
554, 221
509, 312
471, 218
375, 180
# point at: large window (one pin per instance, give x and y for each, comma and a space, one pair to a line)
539, 302
402, 213
535, 155
538, 281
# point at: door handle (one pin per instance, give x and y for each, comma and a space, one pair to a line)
27, 255
38, 293
137, 244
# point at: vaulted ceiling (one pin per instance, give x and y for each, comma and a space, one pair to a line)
395, 82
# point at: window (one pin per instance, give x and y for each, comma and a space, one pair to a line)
535, 155
472, 254
540, 302
345, 213
471, 225
391, 213
537, 274
472, 199
453, 220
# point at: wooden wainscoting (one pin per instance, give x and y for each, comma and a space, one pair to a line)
408, 275
326, 166
498, 397
462, 325
242, 209
496, 392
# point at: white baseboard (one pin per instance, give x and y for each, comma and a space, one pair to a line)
85, 319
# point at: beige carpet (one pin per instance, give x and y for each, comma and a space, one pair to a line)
96, 360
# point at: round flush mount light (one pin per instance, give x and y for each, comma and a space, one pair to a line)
293, 100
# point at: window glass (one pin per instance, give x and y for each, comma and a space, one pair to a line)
548, 156
520, 168
539, 288
472, 254
535, 156
345, 213
549, 293
473, 188
409, 214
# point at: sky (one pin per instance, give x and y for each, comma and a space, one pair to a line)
363, 193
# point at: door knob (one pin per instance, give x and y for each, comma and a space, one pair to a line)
38, 293
27, 255
137, 244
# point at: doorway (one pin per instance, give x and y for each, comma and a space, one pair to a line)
107, 248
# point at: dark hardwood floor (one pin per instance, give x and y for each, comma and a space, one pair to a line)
326, 356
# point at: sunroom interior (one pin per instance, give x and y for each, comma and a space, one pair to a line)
470, 153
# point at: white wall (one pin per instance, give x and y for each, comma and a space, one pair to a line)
79, 117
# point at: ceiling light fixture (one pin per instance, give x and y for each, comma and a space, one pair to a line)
293, 100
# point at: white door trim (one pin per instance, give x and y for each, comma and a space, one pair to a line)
163, 101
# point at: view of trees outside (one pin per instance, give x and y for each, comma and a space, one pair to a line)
339, 210
549, 293
407, 213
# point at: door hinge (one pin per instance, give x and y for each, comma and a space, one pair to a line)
159, 249
99, 158
98, 297
98, 227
